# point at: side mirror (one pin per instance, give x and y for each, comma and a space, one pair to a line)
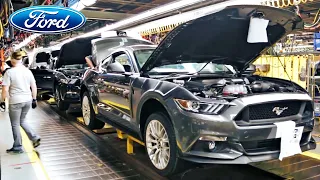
115, 68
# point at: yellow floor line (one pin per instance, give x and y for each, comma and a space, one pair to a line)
36, 162
313, 155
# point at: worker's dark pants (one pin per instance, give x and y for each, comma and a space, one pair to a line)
17, 114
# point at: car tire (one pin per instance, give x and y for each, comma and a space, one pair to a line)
88, 114
168, 142
62, 106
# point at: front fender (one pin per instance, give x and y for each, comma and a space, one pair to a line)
88, 85
148, 96
162, 91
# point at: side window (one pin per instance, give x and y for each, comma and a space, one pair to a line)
123, 59
105, 63
117, 63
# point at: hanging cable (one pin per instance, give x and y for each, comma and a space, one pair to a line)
316, 17
1, 30
315, 21
287, 3
284, 3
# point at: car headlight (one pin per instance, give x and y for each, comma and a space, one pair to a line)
200, 107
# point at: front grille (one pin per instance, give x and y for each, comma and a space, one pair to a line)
269, 144
267, 110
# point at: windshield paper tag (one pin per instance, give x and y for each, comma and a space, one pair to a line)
290, 138
258, 30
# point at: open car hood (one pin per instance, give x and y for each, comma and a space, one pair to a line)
55, 53
222, 33
75, 51
42, 57
103, 47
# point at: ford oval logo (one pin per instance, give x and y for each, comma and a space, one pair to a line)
47, 19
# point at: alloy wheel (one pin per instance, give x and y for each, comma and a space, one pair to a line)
86, 110
157, 143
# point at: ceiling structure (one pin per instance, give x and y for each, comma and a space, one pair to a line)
302, 41
104, 12
126, 6
309, 10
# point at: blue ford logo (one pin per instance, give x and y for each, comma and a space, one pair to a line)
47, 19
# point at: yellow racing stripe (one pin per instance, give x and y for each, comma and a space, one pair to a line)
115, 104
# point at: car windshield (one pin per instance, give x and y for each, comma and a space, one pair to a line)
193, 68
143, 55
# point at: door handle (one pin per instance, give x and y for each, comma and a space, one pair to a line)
47, 77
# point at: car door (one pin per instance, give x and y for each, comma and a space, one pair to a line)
43, 74
114, 89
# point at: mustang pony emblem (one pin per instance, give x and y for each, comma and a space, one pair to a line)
279, 110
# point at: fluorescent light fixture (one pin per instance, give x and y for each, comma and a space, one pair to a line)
170, 7
190, 15
88, 2
142, 16
82, 4
78, 6
26, 41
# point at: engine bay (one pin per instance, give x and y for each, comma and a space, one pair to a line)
234, 87
73, 73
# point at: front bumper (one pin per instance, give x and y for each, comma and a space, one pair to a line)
239, 143
71, 94
202, 157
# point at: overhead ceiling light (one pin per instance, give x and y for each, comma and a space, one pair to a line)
144, 15
26, 41
88, 2
170, 7
164, 9
92, 7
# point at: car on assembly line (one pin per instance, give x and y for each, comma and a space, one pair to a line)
71, 66
217, 114
41, 66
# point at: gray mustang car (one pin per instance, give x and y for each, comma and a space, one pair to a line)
194, 98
